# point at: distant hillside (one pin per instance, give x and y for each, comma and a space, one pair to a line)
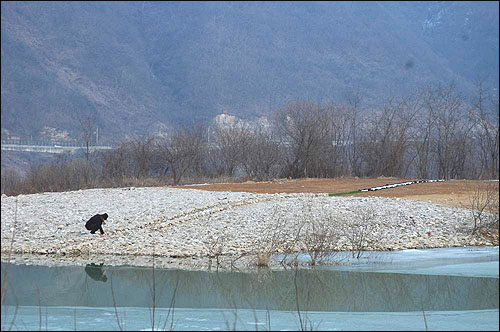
141, 66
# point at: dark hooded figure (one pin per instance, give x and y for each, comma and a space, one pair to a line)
96, 272
95, 223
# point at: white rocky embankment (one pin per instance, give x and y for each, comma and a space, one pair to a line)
185, 222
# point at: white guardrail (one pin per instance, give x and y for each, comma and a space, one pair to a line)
50, 148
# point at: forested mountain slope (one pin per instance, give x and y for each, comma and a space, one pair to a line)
143, 66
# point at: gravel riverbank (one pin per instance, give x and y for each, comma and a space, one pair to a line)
182, 227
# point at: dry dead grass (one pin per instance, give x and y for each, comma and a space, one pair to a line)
451, 193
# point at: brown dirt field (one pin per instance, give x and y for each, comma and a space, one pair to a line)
452, 193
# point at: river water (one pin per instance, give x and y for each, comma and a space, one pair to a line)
435, 289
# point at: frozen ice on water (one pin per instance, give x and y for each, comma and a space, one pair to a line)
138, 319
414, 251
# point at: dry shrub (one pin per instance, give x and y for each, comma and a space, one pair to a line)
358, 231
483, 203
215, 248
320, 234
272, 241
12, 182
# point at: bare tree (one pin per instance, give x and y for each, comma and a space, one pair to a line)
388, 138
354, 101
453, 128
485, 115
181, 151
340, 151
425, 128
88, 127
231, 141
114, 163
261, 157
141, 152
304, 129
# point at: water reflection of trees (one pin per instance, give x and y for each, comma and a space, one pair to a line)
352, 291
349, 291
318, 290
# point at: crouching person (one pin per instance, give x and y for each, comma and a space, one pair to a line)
95, 223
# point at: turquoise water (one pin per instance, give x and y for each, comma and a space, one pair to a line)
454, 289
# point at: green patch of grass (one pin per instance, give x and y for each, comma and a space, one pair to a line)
346, 193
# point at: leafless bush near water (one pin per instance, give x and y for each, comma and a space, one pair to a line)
215, 247
317, 236
320, 234
358, 231
483, 204
274, 241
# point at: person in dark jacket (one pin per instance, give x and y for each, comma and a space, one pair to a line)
95, 223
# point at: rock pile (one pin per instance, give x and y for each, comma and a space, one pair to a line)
187, 222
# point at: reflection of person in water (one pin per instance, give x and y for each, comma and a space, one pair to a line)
96, 272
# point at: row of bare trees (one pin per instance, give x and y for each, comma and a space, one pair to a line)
431, 134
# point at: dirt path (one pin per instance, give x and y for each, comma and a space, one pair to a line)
452, 193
